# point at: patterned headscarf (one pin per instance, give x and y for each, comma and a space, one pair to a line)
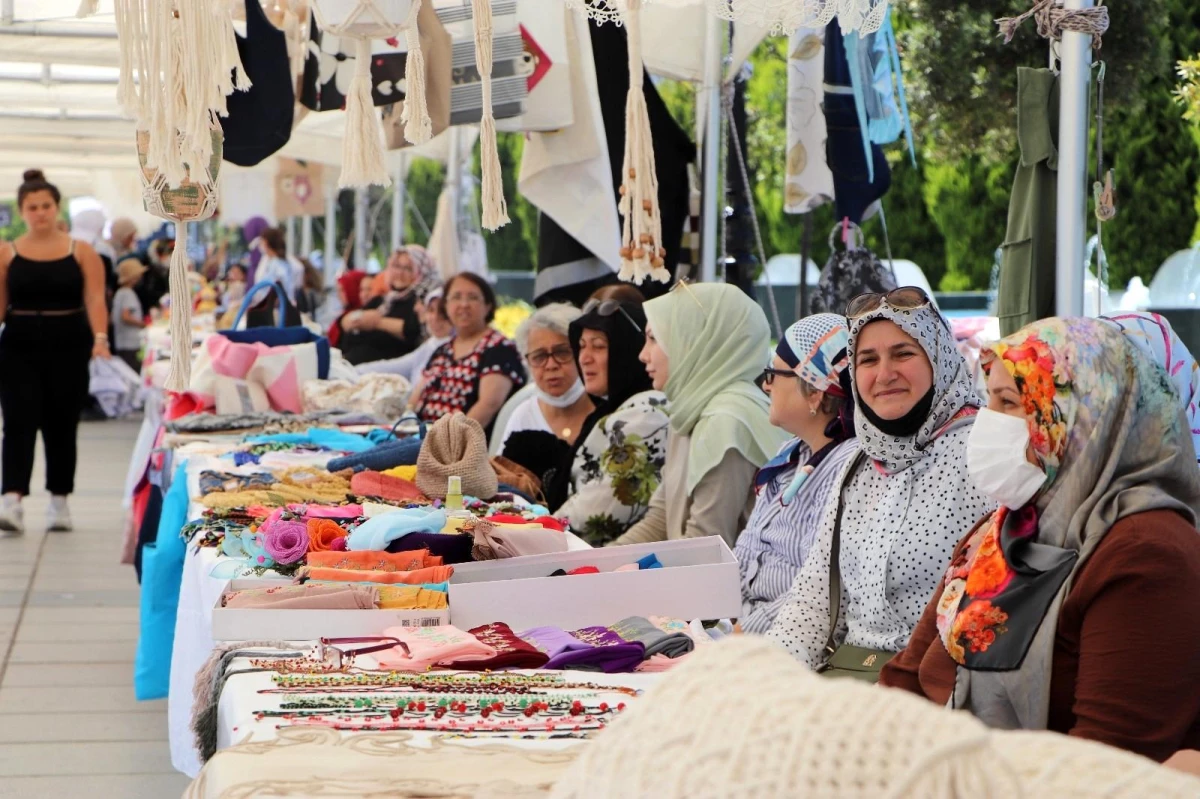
1153, 335
954, 394
1105, 425
428, 279
815, 348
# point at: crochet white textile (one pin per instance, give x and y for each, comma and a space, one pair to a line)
780, 16
742, 718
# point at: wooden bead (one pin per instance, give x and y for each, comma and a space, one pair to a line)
626, 253
645, 238
638, 253
647, 205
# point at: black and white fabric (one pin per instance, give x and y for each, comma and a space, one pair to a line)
329, 68
510, 72
904, 512
849, 272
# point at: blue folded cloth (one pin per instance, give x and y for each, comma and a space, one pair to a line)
649, 562
325, 438
375, 534
389, 454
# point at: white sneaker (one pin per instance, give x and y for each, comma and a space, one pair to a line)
12, 515
58, 517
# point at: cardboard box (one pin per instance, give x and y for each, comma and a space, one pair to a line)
700, 580
248, 624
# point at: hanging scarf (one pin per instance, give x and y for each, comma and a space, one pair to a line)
954, 399
716, 339
1107, 431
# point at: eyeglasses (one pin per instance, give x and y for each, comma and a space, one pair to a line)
905, 298
682, 283
562, 355
339, 659
608, 308
769, 374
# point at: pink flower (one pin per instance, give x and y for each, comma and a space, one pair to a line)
286, 542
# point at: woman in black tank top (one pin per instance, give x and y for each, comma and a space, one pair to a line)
52, 304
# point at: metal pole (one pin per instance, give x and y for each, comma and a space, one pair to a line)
361, 210
454, 166
6, 12
306, 233
290, 235
711, 163
330, 254
398, 201
1074, 83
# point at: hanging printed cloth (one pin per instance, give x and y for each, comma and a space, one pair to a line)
808, 183
329, 68
878, 84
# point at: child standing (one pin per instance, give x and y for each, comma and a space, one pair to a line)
127, 314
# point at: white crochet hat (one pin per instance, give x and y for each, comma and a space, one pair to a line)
742, 718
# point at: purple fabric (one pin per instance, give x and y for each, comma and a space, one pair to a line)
452, 547
588, 649
253, 228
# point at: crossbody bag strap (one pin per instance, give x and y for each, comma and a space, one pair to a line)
835, 577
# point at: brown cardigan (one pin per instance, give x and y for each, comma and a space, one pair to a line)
1126, 668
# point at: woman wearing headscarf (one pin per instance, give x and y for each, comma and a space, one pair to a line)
1073, 607
616, 464
349, 289
903, 505
705, 345
1154, 337
388, 326
809, 386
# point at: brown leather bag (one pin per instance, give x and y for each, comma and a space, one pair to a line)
511, 473
439, 56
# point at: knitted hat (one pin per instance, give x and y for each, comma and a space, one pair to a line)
456, 445
741, 717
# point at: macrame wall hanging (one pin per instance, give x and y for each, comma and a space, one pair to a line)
363, 20
294, 24
642, 252
495, 210
178, 63
778, 16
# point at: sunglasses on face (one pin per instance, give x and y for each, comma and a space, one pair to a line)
607, 308
562, 355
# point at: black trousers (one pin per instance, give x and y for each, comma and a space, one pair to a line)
43, 386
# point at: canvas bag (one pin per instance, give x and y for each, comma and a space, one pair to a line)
509, 85
329, 68
849, 272
436, 47
260, 120
545, 64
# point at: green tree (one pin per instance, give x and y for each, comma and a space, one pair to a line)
514, 246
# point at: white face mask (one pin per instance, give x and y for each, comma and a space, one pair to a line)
566, 400
996, 459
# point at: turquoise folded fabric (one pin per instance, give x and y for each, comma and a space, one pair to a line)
326, 438
162, 573
376, 533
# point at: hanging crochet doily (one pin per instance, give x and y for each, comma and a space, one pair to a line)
779, 16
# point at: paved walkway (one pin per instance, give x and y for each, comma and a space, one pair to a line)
69, 724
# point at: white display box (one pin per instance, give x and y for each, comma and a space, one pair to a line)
249, 624
699, 580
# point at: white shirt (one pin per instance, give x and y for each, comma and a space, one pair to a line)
526, 416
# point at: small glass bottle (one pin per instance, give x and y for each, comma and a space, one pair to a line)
454, 497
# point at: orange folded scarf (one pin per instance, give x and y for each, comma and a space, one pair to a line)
371, 560
432, 574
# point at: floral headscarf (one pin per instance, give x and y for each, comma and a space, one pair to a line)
1106, 427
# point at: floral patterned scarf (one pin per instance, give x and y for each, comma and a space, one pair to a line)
1109, 434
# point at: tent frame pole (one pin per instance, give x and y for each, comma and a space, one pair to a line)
1073, 123
714, 58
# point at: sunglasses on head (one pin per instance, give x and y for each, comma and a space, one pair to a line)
607, 308
905, 298
682, 283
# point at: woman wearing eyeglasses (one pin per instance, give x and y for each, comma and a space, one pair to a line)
561, 403
809, 386
704, 347
616, 464
887, 534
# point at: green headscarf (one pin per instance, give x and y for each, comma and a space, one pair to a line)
717, 341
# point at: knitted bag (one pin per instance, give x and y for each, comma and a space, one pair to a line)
852, 271
456, 445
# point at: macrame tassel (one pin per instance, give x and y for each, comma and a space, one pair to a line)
87, 8
180, 376
362, 153
642, 253
295, 24
495, 210
417, 127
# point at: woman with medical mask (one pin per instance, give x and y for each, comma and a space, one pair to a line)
606, 480
704, 348
560, 403
890, 528
809, 386
1073, 607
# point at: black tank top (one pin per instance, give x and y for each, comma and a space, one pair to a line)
45, 285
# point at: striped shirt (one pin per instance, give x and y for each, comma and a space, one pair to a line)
777, 538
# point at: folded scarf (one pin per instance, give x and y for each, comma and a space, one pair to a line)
376, 533
657, 642
309, 512
497, 540
411, 597
432, 574
589, 649
370, 560
511, 651
408, 473
304, 597
450, 547
425, 647
378, 484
